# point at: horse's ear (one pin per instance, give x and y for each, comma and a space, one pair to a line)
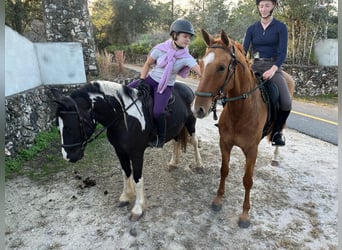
57, 94
224, 38
209, 40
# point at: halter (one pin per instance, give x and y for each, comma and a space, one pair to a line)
220, 93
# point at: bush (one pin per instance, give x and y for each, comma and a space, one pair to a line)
197, 47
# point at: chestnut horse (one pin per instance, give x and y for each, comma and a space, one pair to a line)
227, 76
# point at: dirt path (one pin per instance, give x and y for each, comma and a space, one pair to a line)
294, 206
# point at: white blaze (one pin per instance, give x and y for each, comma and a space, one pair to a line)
61, 125
208, 58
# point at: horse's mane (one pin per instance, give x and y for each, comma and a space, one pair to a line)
82, 93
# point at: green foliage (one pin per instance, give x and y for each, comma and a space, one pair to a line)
19, 14
130, 18
197, 46
240, 18
101, 15
41, 142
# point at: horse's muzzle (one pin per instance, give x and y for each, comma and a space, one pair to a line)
75, 156
200, 113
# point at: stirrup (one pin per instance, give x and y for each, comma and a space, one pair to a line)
278, 139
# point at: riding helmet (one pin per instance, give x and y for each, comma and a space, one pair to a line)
182, 26
274, 1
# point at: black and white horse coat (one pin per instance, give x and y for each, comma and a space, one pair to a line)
126, 117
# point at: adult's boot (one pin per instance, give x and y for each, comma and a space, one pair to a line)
278, 139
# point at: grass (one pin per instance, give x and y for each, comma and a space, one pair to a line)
44, 158
41, 142
321, 99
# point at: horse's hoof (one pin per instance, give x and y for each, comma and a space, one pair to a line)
123, 203
274, 163
198, 170
135, 217
216, 207
244, 224
172, 167
133, 232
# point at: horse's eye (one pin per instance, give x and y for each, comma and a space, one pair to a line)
221, 68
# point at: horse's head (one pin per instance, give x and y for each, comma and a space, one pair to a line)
75, 124
218, 67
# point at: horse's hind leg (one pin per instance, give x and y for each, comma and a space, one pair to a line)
194, 142
191, 127
175, 158
275, 158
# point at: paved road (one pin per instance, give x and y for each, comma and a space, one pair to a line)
316, 120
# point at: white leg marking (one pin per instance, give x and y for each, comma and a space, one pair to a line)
275, 158
60, 127
194, 142
140, 198
175, 158
128, 189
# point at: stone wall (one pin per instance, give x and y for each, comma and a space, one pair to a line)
30, 112
33, 111
314, 80
69, 21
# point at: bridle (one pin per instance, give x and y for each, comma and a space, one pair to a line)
220, 95
83, 121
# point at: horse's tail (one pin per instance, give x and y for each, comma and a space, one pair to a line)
182, 138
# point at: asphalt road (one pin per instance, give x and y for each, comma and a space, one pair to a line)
316, 120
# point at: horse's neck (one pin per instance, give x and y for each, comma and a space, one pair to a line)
244, 84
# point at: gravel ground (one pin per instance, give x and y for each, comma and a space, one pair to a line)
294, 205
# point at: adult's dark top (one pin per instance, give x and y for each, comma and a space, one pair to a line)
269, 43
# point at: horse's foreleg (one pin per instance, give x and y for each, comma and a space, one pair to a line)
128, 190
175, 158
251, 156
194, 142
275, 158
137, 210
139, 205
225, 154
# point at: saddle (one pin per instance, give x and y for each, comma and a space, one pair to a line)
145, 95
270, 95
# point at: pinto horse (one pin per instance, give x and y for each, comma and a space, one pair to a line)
227, 76
125, 114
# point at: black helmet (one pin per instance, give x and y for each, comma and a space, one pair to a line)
182, 26
274, 1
